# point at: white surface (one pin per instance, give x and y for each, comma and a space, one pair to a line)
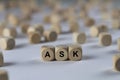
23, 63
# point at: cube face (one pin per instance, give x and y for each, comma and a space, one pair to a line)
105, 39
79, 37
50, 35
47, 19
3, 75
10, 44
48, 53
61, 53
75, 53
13, 19
115, 14
74, 27
94, 31
55, 19
116, 60
117, 65
34, 37
24, 27
116, 24
103, 28
89, 22
1, 30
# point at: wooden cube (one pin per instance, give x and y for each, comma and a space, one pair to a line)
105, 39
1, 30
39, 28
50, 35
79, 37
10, 32
96, 30
12, 19
55, 19
47, 19
3, 75
103, 28
7, 43
57, 28
61, 53
31, 29
75, 52
116, 24
2, 26
1, 59
34, 37
118, 43
24, 27
48, 53
35, 28
116, 14
89, 22
116, 62
26, 17
74, 26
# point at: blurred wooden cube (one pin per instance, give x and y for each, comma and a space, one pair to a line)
79, 37
1, 59
105, 39
118, 43
13, 20
74, 26
116, 62
7, 43
34, 37
75, 52
116, 23
56, 28
4, 75
26, 17
50, 35
24, 27
47, 19
89, 22
55, 19
116, 14
2, 26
